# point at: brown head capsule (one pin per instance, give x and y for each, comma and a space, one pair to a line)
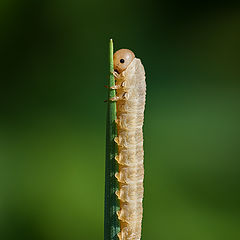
121, 59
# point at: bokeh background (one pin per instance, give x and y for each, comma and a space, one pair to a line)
54, 64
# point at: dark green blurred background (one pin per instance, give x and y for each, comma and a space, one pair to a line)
54, 64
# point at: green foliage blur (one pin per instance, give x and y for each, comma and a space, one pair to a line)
54, 64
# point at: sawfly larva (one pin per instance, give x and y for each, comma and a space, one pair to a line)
130, 97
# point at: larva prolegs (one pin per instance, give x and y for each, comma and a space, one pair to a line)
116, 75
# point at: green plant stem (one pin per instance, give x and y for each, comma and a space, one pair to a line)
111, 222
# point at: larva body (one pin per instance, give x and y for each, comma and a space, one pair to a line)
130, 96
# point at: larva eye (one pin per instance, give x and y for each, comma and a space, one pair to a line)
121, 59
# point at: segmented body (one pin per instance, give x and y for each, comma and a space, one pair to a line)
130, 115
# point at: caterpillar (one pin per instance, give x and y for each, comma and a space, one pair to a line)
130, 88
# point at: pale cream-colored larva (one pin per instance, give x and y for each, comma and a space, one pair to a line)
130, 97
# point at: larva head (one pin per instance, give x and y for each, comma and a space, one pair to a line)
121, 59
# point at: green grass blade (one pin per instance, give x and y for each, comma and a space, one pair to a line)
111, 222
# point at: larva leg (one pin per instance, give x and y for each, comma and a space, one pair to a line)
116, 75
114, 99
123, 84
117, 86
113, 87
123, 97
